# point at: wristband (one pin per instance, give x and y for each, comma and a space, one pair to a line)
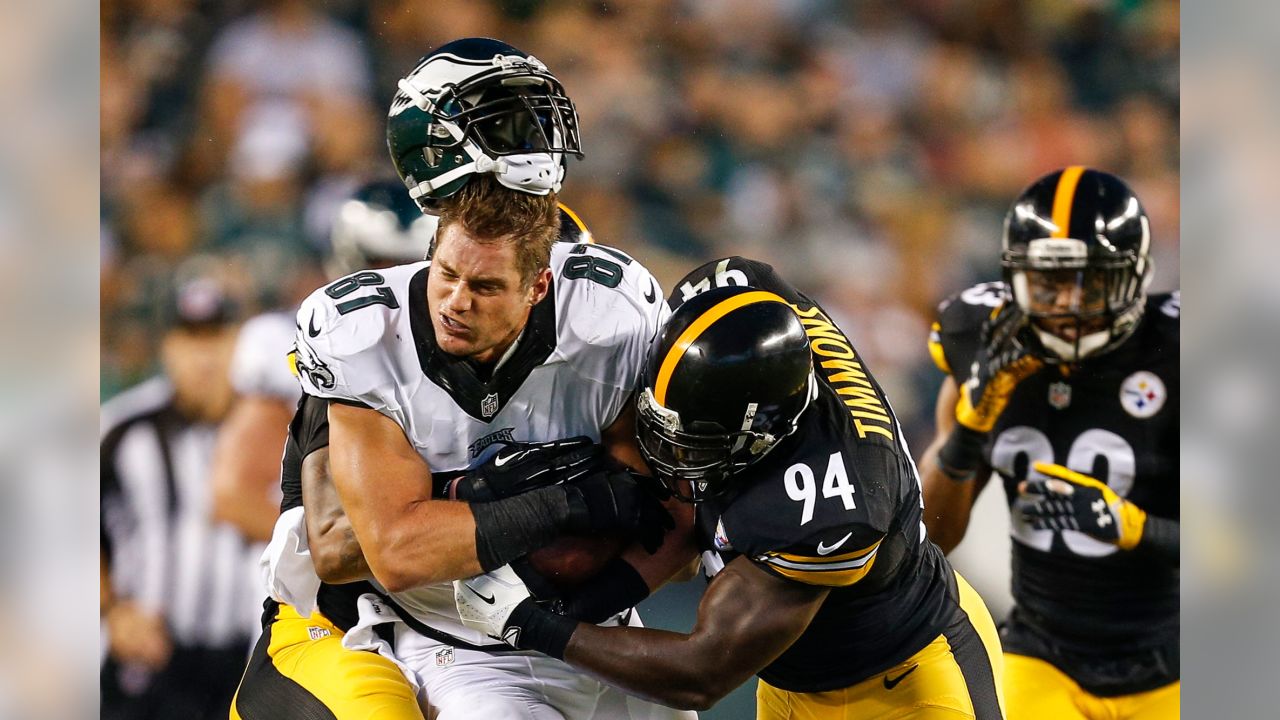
1162, 538
529, 627
507, 529
961, 454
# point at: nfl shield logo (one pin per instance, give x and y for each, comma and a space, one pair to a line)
1059, 395
444, 657
489, 406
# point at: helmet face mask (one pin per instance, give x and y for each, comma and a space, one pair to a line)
1078, 267
480, 106
718, 396
705, 461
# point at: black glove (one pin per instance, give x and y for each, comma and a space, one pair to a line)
618, 586
618, 500
519, 467
999, 365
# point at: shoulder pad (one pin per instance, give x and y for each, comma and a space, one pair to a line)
1166, 306
953, 339
339, 338
259, 363
608, 310
817, 520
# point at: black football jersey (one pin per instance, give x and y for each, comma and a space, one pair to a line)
1114, 417
836, 504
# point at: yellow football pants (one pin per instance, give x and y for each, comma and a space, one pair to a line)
1036, 690
957, 675
299, 669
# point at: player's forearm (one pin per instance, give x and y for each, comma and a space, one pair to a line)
336, 553
679, 549
947, 503
246, 466
428, 542
1161, 538
669, 668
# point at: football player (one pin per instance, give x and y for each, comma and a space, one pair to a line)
377, 227
417, 372
757, 409
1063, 379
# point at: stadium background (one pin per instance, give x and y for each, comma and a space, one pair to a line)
867, 149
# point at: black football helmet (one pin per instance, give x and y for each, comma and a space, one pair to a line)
1077, 257
479, 105
378, 226
728, 378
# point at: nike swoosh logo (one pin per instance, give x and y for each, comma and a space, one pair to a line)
828, 549
490, 599
499, 460
652, 294
891, 684
312, 330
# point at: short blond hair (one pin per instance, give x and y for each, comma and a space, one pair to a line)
491, 212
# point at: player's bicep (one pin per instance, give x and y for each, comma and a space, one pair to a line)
378, 474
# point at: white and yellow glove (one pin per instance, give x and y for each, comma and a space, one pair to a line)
1067, 500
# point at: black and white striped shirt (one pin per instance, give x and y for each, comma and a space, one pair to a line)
164, 549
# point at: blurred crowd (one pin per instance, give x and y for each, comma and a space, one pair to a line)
867, 148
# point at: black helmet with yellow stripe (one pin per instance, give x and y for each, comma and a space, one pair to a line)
727, 379
1077, 257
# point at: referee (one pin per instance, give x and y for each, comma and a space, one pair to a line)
176, 585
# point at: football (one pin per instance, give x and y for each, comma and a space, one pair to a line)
571, 561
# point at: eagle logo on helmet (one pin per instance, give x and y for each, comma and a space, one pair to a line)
477, 106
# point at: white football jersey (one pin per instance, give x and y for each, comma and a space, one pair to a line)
259, 363
368, 339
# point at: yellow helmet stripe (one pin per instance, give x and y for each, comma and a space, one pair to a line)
1063, 198
691, 333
